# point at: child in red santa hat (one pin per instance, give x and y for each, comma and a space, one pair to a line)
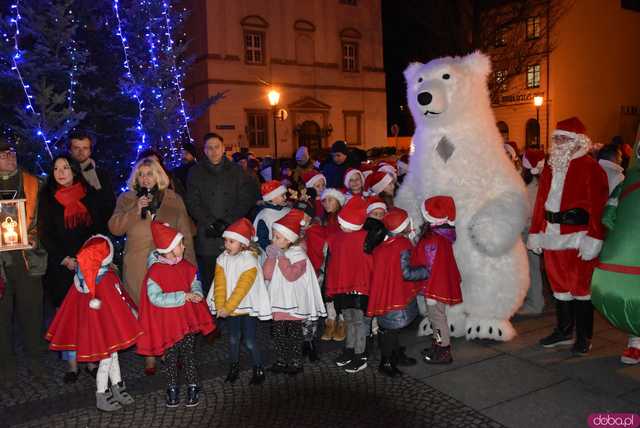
433, 264
391, 297
239, 295
274, 207
293, 290
353, 183
96, 321
347, 276
383, 185
315, 183
173, 312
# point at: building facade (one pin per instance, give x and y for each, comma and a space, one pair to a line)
587, 66
324, 58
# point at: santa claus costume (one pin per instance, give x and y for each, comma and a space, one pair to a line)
294, 292
532, 164
273, 209
173, 312
391, 298
239, 295
433, 263
566, 225
96, 321
347, 276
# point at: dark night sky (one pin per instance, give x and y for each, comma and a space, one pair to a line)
418, 30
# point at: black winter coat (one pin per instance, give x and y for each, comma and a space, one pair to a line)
61, 242
218, 192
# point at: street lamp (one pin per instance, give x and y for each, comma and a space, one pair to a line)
274, 98
537, 101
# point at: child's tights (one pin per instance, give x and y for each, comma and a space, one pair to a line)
185, 349
109, 369
438, 317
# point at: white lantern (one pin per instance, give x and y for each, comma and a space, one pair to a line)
13, 225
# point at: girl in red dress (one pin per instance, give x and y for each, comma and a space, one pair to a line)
172, 312
96, 322
437, 272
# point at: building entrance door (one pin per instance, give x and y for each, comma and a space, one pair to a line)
310, 136
532, 134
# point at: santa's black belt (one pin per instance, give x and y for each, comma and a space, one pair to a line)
574, 217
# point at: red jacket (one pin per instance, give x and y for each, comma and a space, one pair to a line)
349, 267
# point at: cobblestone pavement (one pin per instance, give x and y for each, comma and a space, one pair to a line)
323, 396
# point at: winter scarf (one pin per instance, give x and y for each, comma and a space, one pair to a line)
75, 212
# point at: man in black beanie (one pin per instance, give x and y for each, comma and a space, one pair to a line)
335, 168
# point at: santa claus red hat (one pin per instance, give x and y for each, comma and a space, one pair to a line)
571, 128
533, 160
165, 237
376, 182
241, 230
353, 215
333, 193
310, 178
375, 202
439, 210
396, 220
388, 168
366, 169
290, 225
350, 173
96, 252
271, 190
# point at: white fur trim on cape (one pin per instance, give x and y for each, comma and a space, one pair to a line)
375, 206
380, 185
313, 180
589, 248
95, 303
235, 235
280, 190
335, 194
288, 233
535, 170
349, 226
174, 243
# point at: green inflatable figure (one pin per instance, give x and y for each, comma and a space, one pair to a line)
615, 286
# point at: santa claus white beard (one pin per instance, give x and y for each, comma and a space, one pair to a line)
561, 154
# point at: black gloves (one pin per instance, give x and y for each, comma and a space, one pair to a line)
215, 229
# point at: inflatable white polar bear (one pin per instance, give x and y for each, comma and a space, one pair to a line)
457, 151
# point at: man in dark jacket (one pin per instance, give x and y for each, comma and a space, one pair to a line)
335, 168
188, 161
80, 148
218, 193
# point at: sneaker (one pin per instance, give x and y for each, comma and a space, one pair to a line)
258, 376
581, 347
119, 391
556, 338
344, 358
387, 368
173, 397
106, 402
193, 395
630, 356
357, 363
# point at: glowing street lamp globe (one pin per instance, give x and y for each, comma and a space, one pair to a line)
537, 101
274, 97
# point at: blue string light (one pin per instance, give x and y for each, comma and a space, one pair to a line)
15, 58
72, 74
133, 92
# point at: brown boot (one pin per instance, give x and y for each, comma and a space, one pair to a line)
340, 333
329, 330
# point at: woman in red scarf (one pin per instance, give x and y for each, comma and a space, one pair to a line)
69, 213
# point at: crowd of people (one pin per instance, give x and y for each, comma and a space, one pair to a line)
318, 250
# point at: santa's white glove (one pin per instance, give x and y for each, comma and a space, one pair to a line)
589, 248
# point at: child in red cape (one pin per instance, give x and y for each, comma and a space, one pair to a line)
437, 272
96, 322
172, 312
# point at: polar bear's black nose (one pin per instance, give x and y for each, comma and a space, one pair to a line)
424, 98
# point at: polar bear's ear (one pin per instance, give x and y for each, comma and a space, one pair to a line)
478, 63
412, 70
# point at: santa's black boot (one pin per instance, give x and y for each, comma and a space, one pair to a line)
563, 333
584, 327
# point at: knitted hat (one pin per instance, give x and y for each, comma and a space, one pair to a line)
302, 154
340, 146
335, 194
271, 190
377, 181
350, 173
375, 202
241, 230
533, 160
312, 177
353, 215
439, 210
290, 225
190, 148
396, 220
165, 237
96, 252
571, 128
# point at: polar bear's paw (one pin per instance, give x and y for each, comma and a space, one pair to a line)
501, 330
457, 323
424, 329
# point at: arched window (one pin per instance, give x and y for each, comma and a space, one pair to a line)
504, 130
532, 134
